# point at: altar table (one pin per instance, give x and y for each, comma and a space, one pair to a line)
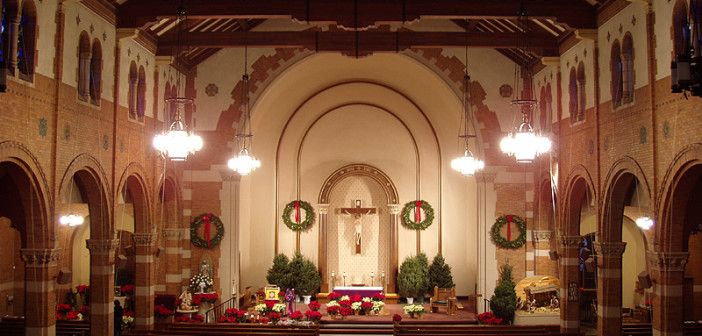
362, 291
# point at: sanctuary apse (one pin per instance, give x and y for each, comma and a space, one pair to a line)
121, 121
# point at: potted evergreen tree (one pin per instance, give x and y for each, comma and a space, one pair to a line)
411, 280
308, 280
423, 264
504, 302
295, 273
279, 273
440, 273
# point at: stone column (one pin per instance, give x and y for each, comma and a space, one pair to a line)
667, 272
40, 285
172, 259
14, 35
609, 287
102, 281
144, 291
543, 265
322, 210
185, 254
569, 277
391, 276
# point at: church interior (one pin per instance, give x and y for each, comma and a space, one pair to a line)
400, 167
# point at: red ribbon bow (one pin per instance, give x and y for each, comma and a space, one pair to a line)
297, 212
418, 211
208, 227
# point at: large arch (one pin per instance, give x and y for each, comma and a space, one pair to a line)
623, 175
579, 189
377, 175
133, 180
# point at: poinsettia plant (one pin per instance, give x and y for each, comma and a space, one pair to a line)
82, 289
233, 315
489, 318
314, 305
296, 315
204, 297
162, 311
313, 315
127, 289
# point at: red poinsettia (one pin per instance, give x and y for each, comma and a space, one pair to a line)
333, 296
233, 315
85, 310
128, 313
182, 319
127, 289
72, 315
366, 306
489, 318
332, 310
161, 311
264, 320
205, 297
274, 317
63, 308
356, 298
198, 318
82, 289
345, 311
296, 315
314, 305
345, 303
270, 304
378, 297
397, 318
313, 315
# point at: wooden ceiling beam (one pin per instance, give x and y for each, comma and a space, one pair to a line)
366, 41
360, 13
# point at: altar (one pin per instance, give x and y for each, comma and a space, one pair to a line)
363, 291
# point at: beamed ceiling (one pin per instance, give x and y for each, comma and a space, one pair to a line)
360, 27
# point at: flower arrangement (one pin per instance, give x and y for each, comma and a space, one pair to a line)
63, 308
204, 297
377, 306
127, 321
333, 308
314, 306
344, 298
489, 318
356, 298
414, 310
296, 315
73, 315
378, 297
279, 308
162, 312
345, 311
313, 316
366, 306
333, 296
201, 282
356, 306
127, 289
262, 308
396, 318
82, 289
345, 303
274, 317
233, 315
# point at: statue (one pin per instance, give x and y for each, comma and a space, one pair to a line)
186, 300
554, 302
290, 299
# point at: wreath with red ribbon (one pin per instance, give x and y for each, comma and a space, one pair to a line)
416, 208
509, 242
206, 221
295, 222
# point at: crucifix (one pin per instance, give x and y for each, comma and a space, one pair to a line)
357, 212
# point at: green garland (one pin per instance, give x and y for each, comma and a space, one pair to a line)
303, 224
201, 220
502, 241
410, 223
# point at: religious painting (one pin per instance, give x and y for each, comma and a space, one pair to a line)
272, 292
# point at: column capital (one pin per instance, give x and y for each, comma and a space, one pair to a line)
323, 208
172, 234
569, 241
609, 249
144, 239
667, 261
40, 257
102, 246
539, 236
395, 209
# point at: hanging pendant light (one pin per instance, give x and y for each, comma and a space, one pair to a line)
243, 162
71, 218
524, 143
467, 164
177, 142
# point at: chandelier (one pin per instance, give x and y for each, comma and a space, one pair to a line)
71, 219
524, 144
467, 164
243, 162
176, 142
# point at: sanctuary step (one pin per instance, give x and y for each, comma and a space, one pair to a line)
222, 329
437, 328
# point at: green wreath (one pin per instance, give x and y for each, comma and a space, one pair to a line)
206, 220
501, 241
300, 225
410, 223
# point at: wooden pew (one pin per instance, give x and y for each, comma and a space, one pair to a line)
444, 329
636, 329
72, 328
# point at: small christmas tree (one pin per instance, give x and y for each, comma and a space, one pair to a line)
308, 278
440, 273
278, 274
411, 281
423, 263
504, 302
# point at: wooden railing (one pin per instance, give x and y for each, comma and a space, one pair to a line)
213, 314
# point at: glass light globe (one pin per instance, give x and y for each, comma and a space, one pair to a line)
467, 164
644, 222
525, 145
243, 163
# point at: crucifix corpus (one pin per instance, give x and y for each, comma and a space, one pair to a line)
357, 212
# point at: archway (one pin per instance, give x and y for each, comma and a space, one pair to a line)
383, 183
166, 218
625, 186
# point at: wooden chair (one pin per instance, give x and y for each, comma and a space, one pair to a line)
443, 297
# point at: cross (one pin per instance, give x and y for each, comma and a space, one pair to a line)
357, 212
